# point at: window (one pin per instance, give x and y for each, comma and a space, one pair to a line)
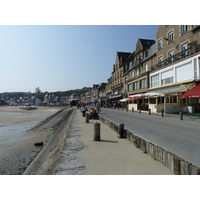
159, 44
155, 80
183, 29
184, 50
170, 56
140, 56
143, 83
140, 70
130, 87
146, 53
130, 65
160, 61
137, 72
146, 67
167, 80
170, 37
174, 99
136, 85
152, 100
132, 74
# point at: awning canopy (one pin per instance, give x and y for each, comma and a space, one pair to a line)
173, 89
132, 99
154, 94
124, 100
137, 95
193, 93
148, 94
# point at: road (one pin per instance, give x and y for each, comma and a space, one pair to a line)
181, 137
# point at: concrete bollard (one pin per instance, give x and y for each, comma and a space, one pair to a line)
149, 111
121, 130
181, 115
162, 113
87, 118
97, 131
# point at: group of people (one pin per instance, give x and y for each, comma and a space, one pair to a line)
93, 112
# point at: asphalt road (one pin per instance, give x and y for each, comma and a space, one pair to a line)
181, 137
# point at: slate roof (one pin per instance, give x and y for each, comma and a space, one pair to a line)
146, 43
124, 55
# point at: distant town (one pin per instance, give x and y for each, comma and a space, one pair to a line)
40, 98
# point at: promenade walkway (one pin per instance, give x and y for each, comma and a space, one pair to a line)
82, 155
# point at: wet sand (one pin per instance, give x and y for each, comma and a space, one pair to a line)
19, 130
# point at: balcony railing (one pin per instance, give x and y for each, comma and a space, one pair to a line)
177, 57
135, 77
119, 85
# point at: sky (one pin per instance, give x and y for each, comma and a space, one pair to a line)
63, 57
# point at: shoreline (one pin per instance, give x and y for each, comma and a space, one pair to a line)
19, 132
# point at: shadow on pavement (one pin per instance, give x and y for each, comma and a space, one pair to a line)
110, 141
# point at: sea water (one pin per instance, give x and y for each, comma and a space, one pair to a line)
14, 129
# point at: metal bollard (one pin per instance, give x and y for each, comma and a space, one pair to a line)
83, 113
149, 111
121, 131
127, 108
132, 109
87, 118
181, 115
140, 110
97, 131
162, 113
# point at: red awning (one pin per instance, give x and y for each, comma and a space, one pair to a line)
132, 98
193, 93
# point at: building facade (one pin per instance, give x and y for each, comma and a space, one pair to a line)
177, 69
168, 65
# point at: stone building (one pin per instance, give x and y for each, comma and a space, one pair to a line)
136, 71
117, 77
159, 72
177, 69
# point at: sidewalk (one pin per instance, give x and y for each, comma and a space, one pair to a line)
111, 156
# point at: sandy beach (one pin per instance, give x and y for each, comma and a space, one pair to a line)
19, 130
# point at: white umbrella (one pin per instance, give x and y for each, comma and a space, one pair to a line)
123, 100
151, 94
137, 95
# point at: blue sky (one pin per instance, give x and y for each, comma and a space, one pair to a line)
63, 57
